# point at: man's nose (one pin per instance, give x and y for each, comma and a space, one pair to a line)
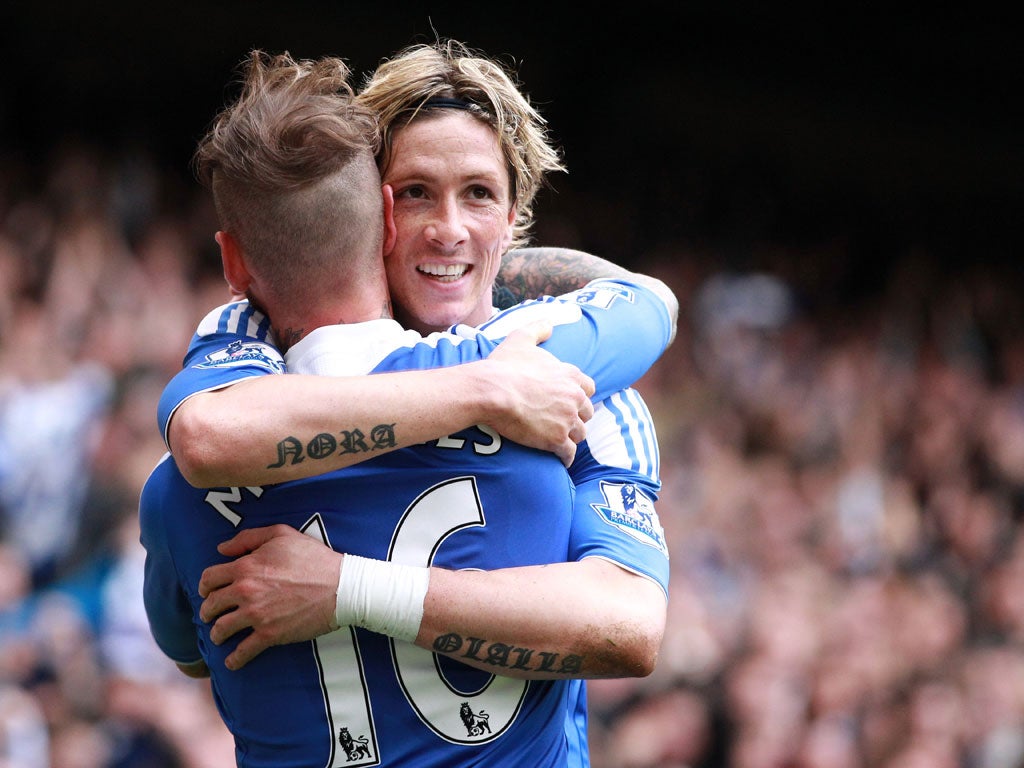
447, 226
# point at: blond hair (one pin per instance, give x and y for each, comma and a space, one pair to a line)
402, 86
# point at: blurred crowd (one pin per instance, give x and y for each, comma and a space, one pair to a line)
842, 486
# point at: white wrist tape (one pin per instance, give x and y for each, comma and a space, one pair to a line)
381, 596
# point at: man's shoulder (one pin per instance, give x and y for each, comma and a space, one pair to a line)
235, 317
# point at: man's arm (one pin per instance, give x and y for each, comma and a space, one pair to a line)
591, 617
269, 429
168, 611
605, 617
587, 619
297, 426
528, 273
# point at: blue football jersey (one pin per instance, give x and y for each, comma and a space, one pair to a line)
613, 331
353, 697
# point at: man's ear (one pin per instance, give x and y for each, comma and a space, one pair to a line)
390, 230
235, 271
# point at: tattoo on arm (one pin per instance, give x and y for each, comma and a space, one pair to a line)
527, 273
291, 450
507, 656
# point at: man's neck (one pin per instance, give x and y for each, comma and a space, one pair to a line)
295, 326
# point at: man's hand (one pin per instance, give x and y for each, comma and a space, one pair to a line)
544, 402
283, 585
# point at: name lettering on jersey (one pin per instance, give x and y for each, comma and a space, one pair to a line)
219, 499
603, 295
630, 510
240, 352
507, 656
491, 446
292, 451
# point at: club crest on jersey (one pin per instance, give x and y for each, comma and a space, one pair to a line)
245, 353
630, 510
603, 295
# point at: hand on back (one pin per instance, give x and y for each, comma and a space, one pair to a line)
546, 402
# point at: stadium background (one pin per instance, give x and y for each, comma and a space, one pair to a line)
819, 189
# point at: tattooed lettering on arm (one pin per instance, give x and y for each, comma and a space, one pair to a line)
510, 657
291, 450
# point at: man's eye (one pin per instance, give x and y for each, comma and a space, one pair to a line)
413, 192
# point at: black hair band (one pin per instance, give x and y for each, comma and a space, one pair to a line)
444, 102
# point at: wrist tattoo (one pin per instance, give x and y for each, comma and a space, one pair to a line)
291, 450
507, 656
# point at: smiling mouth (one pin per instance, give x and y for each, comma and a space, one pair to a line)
445, 273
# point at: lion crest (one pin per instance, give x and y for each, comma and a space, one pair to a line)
354, 748
476, 722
